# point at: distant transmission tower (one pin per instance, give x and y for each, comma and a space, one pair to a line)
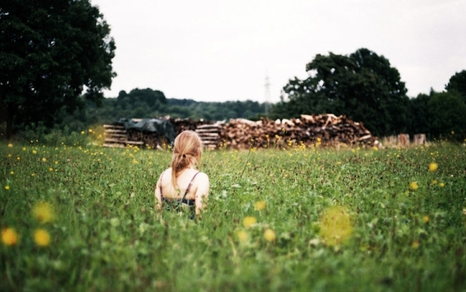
267, 93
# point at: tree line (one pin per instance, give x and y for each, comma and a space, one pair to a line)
56, 58
365, 87
149, 103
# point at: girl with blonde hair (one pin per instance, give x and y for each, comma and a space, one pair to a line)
182, 186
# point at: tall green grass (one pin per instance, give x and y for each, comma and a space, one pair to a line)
105, 235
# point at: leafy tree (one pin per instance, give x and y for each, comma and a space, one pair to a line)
362, 86
51, 51
419, 114
458, 83
438, 114
151, 98
446, 112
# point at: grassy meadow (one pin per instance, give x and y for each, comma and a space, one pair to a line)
82, 218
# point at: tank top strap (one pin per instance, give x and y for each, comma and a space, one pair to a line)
189, 186
160, 185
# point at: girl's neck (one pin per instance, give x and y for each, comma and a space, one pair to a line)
191, 166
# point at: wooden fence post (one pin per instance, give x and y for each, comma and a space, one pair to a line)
403, 140
420, 139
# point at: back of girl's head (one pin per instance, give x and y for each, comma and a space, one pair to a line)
187, 150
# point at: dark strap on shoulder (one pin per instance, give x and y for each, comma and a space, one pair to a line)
160, 186
187, 189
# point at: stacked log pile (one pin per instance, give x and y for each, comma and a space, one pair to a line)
325, 130
117, 136
207, 131
209, 134
151, 140
187, 124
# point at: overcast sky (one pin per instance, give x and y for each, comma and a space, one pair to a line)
219, 50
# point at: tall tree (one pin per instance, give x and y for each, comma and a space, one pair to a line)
446, 112
419, 114
151, 98
51, 53
458, 83
362, 86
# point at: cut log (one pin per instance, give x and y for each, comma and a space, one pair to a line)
420, 139
403, 140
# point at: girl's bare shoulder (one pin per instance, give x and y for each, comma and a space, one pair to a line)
203, 176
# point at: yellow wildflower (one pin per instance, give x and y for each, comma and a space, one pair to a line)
10, 145
43, 212
442, 185
415, 244
269, 234
42, 237
9, 236
249, 221
7, 187
413, 185
242, 236
426, 219
335, 225
259, 205
433, 167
